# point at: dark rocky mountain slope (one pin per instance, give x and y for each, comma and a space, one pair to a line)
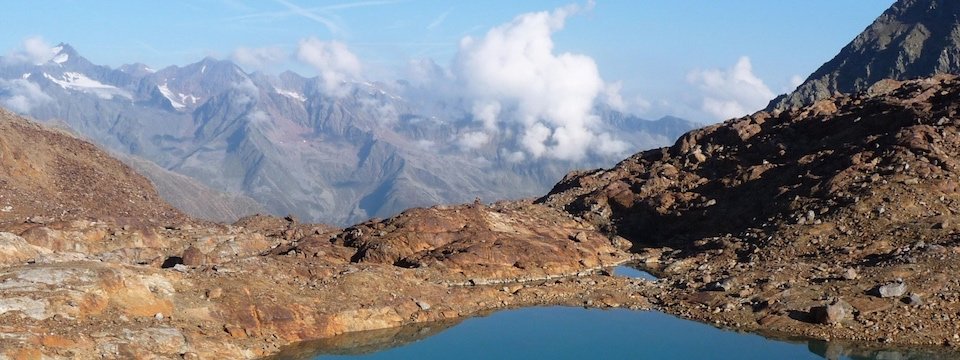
913, 39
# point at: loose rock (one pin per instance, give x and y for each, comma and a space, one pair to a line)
832, 313
894, 289
850, 274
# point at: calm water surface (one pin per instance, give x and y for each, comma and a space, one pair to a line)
633, 272
578, 333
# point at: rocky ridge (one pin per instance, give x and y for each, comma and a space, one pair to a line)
913, 39
47, 174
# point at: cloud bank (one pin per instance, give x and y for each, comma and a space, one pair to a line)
34, 50
21, 95
517, 83
732, 92
333, 61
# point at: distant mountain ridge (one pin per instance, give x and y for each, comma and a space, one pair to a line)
286, 143
913, 39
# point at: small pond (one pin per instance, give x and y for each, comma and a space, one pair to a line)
633, 271
578, 333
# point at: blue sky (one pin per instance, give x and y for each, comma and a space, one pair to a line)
661, 53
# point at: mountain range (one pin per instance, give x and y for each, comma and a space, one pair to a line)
282, 144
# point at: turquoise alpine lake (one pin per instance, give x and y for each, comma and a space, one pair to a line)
580, 333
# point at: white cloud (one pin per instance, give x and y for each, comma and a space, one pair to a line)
34, 50
515, 80
513, 156
487, 112
333, 60
247, 92
732, 92
640, 105
21, 95
259, 118
259, 58
383, 112
474, 140
796, 81
426, 144
611, 96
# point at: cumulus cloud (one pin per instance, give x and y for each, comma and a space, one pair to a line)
259, 58
515, 80
33, 50
732, 92
333, 61
21, 95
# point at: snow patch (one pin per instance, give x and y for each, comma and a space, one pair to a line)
188, 98
169, 95
291, 94
80, 82
203, 69
25, 76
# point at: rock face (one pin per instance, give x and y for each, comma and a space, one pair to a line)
501, 243
913, 39
866, 159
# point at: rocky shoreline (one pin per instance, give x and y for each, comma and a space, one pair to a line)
256, 304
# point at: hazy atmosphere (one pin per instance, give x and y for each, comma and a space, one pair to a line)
702, 60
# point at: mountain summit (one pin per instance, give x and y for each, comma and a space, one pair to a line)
912, 39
